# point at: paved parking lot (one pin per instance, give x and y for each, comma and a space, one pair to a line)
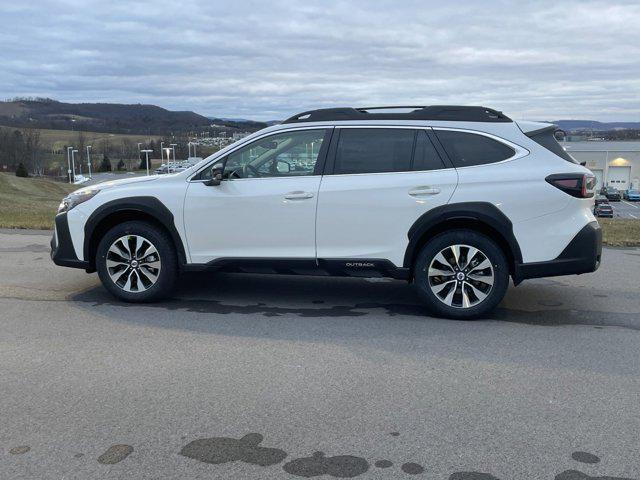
625, 209
256, 377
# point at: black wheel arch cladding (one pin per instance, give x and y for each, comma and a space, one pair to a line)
148, 207
471, 213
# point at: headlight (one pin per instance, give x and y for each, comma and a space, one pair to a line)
76, 198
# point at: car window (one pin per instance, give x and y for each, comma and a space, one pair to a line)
426, 156
285, 154
374, 150
281, 155
467, 149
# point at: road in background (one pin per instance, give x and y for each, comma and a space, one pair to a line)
109, 176
626, 209
189, 388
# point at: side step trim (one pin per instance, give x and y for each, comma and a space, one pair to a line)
338, 267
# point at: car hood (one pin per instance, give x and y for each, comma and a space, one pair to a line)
120, 183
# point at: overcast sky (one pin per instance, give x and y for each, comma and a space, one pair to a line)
267, 60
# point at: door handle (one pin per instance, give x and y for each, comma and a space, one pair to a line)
419, 191
298, 195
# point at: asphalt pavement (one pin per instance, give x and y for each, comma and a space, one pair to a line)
260, 377
626, 209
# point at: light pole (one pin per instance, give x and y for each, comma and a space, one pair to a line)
73, 163
89, 160
146, 153
173, 149
69, 163
161, 152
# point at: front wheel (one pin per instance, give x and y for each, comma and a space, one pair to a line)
136, 262
461, 274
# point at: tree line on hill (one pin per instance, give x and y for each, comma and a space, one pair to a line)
22, 151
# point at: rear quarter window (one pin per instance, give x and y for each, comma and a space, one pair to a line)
547, 139
468, 149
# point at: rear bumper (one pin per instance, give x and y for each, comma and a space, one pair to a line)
582, 255
62, 251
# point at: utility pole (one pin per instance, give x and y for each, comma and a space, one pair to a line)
146, 153
73, 163
69, 164
89, 160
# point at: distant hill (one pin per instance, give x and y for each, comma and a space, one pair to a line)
581, 125
106, 117
243, 123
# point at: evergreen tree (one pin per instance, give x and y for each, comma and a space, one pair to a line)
120, 165
21, 171
105, 164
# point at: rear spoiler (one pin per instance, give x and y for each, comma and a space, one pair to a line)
544, 135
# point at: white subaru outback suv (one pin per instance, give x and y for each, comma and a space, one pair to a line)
452, 199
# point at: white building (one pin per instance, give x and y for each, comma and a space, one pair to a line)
615, 164
239, 135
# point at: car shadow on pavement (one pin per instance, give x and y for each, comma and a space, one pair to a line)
321, 297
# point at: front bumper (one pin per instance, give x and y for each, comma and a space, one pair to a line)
582, 255
62, 251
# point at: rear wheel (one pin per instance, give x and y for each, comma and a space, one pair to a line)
461, 274
136, 262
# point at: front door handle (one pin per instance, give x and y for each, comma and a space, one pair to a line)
419, 191
298, 195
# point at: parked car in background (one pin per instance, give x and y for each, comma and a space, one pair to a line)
632, 195
602, 207
601, 199
612, 194
455, 200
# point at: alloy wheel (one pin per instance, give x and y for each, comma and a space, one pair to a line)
461, 276
133, 263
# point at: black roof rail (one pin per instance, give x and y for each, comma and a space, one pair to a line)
457, 113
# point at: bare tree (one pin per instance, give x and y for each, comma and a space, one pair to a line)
33, 154
129, 152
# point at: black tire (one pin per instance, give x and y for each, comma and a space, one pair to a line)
489, 250
167, 273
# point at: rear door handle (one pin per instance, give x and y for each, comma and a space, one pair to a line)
298, 195
420, 191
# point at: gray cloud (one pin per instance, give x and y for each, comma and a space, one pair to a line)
539, 59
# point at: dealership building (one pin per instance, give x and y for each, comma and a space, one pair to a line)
615, 164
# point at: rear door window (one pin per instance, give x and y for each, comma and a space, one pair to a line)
467, 149
426, 156
374, 150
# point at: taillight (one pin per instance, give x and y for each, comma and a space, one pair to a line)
579, 185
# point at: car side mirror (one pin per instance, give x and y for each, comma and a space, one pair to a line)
216, 176
283, 167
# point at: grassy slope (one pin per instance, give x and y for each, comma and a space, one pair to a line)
58, 138
30, 202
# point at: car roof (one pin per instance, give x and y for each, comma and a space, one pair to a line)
454, 113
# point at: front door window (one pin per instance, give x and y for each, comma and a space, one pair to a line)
288, 154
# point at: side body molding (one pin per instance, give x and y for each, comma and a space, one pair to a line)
149, 206
482, 215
